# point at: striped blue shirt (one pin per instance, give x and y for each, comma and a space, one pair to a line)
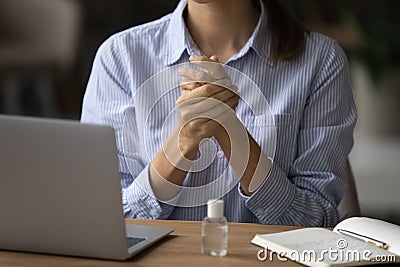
310, 99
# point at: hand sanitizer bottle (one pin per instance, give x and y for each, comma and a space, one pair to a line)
214, 232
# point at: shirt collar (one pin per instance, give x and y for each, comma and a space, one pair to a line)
176, 35
260, 39
179, 39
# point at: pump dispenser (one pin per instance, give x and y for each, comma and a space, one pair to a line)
214, 234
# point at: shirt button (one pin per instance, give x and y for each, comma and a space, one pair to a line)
260, 210
153, 212
220, 154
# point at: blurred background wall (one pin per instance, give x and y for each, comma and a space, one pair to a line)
47, 48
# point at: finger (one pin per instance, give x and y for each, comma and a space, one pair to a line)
198, 105
199, 93
226, 83
199, 58
233, 101
234, 106
188, 84
195, 75
215, 69
206, 90
216, 111
215, 58
223, 95
185, 97
212, 64
234, 88
185, 81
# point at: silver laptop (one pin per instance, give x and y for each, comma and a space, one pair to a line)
60, 191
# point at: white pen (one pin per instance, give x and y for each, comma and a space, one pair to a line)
364, 238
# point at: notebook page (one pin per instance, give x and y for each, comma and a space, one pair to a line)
322, 247
376, 229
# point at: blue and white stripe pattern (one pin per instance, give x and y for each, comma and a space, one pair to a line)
310, 98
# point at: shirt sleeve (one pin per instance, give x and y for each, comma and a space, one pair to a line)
107, 98
310, 192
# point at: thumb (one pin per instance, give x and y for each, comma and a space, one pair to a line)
215, 58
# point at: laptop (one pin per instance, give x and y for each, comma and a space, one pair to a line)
60, 191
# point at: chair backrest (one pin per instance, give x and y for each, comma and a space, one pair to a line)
48, 25
349, 206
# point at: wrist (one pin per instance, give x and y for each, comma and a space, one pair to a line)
222, 133
188, 145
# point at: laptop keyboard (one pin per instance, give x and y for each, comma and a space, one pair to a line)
134, 241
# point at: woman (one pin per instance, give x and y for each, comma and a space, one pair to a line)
303, 76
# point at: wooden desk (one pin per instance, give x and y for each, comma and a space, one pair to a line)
181, 248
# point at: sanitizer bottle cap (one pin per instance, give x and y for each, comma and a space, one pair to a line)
215, 208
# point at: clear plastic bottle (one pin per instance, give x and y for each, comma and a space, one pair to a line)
214, 232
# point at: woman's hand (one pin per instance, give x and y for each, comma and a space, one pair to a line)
208, 101
211, 93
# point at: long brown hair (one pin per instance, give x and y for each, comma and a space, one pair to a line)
288, 36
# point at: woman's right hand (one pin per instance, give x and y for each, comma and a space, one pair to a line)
203, 106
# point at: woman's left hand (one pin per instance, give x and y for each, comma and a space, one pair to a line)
213, 75
247, 159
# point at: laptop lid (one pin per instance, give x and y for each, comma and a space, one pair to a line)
60, 189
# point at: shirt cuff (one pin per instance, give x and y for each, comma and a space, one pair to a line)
139, 200
272, 198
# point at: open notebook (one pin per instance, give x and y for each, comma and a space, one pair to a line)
354, 241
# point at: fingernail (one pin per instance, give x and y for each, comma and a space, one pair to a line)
191, 57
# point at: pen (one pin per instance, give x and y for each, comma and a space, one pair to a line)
364, 238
